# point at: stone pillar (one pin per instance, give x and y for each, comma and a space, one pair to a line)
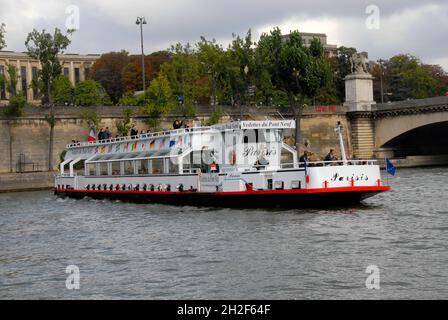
359, 92
359, 101
362, 134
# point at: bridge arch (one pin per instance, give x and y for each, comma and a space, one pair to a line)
414, 134
427, 140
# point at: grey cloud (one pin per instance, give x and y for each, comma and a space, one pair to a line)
110, 25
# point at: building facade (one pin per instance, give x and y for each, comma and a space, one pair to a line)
330, 49
75, 66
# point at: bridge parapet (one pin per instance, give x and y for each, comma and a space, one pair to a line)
435, 104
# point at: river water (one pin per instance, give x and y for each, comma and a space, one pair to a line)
138, 251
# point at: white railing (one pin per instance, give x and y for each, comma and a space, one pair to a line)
140, 136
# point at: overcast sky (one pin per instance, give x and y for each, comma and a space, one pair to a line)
405, 26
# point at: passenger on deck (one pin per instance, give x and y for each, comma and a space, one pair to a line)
101, 134
330, 157
134, 131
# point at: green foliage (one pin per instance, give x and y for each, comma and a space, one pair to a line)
185, 74
50, 119
131, 99
123, 126
407, 78
62, 91
2, 36
215, 117
159, 99
15, 106
341, 68
293, 68
90, 93
11, 85
45, 47
91, 117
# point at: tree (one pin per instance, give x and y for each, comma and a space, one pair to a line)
294, 69
11, 82
241, 68
186, 77
160, 100
108, 70
2, 36
407, 79
90, 93
46, 47
91, 117
216, 66
132, 72
62, 91
341, 67
123, 126
15, 106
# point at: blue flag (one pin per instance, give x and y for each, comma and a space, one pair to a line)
390, 168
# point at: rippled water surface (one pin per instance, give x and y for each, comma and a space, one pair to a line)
127, 251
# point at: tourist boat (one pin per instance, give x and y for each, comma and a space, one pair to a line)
236, 164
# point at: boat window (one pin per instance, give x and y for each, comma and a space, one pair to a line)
141, 166
91, 169
250, 136
104, 166
116, 168
157, 166
128, 167
172, 167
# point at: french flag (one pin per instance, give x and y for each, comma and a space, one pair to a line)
92, 134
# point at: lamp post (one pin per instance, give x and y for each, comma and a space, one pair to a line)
141, 21
381, 62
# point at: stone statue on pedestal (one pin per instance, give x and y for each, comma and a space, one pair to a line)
359, 84
358, 63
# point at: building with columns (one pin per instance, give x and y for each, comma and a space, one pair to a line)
75, 66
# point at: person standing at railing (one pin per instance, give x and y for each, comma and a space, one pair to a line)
134, 131
101, 134
330, 156
107, 134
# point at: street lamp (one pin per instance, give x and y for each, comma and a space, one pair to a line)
141, 21
382, 66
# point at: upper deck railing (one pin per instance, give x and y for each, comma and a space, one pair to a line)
139, 136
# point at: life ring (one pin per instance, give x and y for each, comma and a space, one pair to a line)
232, 157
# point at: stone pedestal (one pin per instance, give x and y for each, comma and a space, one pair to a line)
359, 92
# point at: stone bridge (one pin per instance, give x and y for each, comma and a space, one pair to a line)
414, 132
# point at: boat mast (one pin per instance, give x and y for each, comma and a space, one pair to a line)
338, 130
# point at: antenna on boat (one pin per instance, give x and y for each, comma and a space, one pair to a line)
338, 130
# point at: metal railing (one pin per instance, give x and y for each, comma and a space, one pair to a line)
140, 136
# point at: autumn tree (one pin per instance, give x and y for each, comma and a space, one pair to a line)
108, 71
132, 72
